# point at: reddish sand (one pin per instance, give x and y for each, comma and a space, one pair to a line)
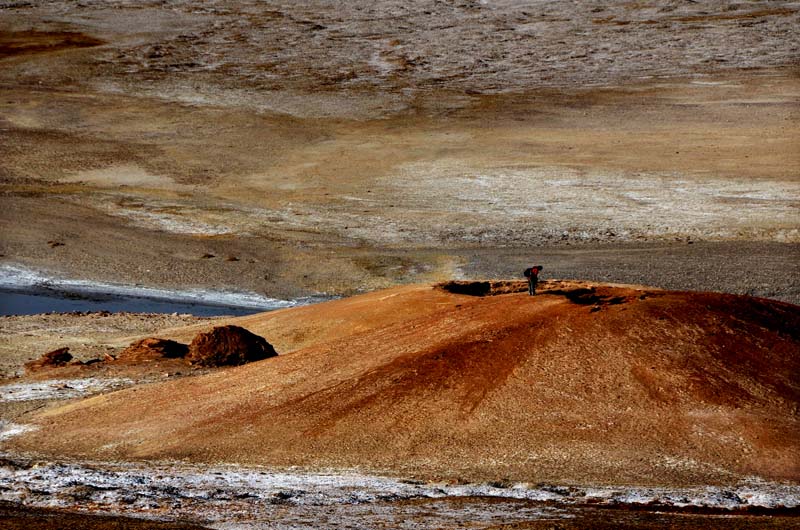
621, 384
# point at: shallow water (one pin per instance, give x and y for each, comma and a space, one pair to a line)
35, 302
25, 291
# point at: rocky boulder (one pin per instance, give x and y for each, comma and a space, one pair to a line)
152, 348
53, 359
228, 346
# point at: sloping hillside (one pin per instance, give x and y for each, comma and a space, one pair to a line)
611, 384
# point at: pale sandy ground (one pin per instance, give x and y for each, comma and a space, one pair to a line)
341, 150
88, 335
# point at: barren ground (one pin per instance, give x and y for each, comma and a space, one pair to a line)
337, 148
345, 149
580, 384
449, 409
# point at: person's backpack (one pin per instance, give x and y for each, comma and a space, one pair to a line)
527, 272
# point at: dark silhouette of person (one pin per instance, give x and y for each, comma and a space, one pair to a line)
532, 273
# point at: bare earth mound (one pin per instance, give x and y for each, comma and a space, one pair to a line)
583, 383
228, 346
151, 349
55, 358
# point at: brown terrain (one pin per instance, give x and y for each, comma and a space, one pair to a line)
338, 148
581, 384
23, 339
293, 150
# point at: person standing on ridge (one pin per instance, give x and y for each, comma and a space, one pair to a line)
532, 273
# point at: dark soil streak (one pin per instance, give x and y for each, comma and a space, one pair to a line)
18, 43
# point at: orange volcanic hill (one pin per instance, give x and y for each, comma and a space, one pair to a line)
580, 384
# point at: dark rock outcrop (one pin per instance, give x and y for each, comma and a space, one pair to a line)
228, 346
53, 359
483, 287
153, 348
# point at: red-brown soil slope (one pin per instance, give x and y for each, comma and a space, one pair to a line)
619, 384
300, 327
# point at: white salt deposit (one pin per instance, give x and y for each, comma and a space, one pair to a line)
60, 388
9, 429
245, 497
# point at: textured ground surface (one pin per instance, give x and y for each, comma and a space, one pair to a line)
418, 514
338, 148
88, 335
335, 148
623, 385
226, 497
